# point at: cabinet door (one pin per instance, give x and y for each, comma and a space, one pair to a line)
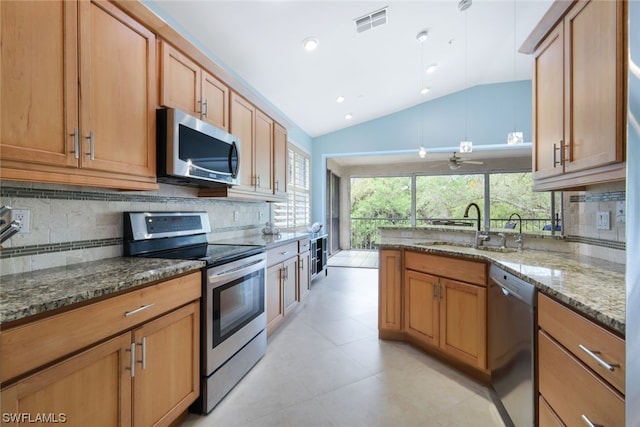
304, 275
167, 368
92, 388
290, 284
215, 98
594, 84
421, 318
242, 125
263, 155
117, 91
548, 106
389, 293
39, 102
463, 322
280, 156
275, 309
180, 81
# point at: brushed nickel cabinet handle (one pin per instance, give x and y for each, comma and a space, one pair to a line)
76, 143
589, 423
91, 152
132, 359
143, 361
205, 108
138, 310
594, 354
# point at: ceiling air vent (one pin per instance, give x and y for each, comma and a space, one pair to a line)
371, 20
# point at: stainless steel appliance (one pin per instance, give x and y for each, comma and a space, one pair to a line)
194, 152
234, 320
512, 303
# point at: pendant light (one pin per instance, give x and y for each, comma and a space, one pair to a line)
515, 137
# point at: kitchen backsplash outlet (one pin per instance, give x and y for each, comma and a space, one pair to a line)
586, 212
70, 224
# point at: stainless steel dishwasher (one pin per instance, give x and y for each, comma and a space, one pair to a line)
512, 303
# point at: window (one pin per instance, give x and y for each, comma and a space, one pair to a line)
513, 193
440, 197
420, 200
296, 211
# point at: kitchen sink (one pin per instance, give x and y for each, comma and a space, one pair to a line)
497, 249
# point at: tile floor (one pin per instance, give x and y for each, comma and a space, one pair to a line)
354, 258
326, 367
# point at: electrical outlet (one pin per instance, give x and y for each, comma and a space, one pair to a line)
236, 215
603, 220
23, 216
620, 216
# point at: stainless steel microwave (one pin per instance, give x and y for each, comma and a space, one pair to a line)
193, 152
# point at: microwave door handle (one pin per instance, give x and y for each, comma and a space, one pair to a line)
234, 151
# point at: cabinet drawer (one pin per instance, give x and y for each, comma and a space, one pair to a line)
573, 390
580, 335
452, 268
304, 245
34, 344
281, 253
546, 416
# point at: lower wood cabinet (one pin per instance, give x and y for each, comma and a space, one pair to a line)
389, 292
304, 270
146, 376
284, 282
449, 315
581, 369
436, 302
91, 388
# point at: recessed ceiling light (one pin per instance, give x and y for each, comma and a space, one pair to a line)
431, 68
348, 116
425, 90
340, 99
310, 44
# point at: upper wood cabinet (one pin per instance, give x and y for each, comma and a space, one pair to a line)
579, 98
280, 160
188, 87
78, 95
263, 153
263, 166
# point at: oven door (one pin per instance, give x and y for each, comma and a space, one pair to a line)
235, 308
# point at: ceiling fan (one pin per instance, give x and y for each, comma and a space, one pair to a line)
455, 162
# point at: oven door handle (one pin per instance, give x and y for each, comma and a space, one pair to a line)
222, 277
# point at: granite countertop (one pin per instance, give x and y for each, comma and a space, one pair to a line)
268, 240
593, 287
27, 294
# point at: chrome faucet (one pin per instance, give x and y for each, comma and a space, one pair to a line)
519, 239
479, 236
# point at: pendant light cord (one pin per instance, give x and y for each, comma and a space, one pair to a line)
466, 89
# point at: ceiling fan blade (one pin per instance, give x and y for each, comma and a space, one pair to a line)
473, 162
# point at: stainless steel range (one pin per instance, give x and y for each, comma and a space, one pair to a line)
233, 335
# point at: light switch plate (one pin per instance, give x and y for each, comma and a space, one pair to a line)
603, 221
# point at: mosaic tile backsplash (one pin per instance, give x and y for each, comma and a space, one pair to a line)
70, 225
